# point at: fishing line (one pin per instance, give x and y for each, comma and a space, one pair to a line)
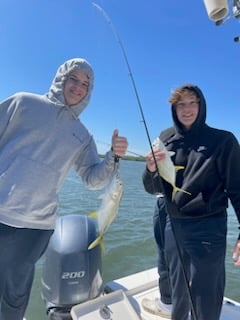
150, 143
128, 151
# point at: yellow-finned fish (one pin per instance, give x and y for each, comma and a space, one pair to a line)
166, 167
108, 209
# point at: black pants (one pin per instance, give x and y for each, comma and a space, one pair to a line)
202, 244
159, 223
20, 249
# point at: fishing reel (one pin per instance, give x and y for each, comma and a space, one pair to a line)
218, 11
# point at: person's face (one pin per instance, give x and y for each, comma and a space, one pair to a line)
187, 110
76, 87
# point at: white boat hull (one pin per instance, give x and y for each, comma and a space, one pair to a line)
123, 297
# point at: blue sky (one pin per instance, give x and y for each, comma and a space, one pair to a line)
168, 43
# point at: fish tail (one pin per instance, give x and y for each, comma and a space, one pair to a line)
97, 242
179, 168
176, 189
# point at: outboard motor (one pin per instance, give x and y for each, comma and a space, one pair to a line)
72, 274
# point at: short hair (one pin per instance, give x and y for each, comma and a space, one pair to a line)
180, 92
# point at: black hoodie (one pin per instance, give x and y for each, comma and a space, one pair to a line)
211, 161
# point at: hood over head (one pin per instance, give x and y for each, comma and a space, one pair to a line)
55, 93
201, 118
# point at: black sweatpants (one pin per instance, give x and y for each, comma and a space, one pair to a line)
159, 223
202, 244
20, 249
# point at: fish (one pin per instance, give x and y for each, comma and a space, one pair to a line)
108, 209
166, 167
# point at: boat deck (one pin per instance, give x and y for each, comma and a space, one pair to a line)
122, 300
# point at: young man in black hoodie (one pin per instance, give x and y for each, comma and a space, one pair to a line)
197, 221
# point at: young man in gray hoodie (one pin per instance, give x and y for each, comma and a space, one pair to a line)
41, 139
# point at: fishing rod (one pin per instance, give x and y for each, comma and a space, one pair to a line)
100, 9
128, 66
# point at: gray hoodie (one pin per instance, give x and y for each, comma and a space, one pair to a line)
41, 139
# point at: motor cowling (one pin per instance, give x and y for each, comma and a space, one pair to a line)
72, 274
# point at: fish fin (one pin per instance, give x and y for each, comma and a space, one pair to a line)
98, 242
102, 247
176, 189
93, 214
179, 168
95, 243
171, 153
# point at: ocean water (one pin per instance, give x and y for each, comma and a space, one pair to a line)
129, 242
